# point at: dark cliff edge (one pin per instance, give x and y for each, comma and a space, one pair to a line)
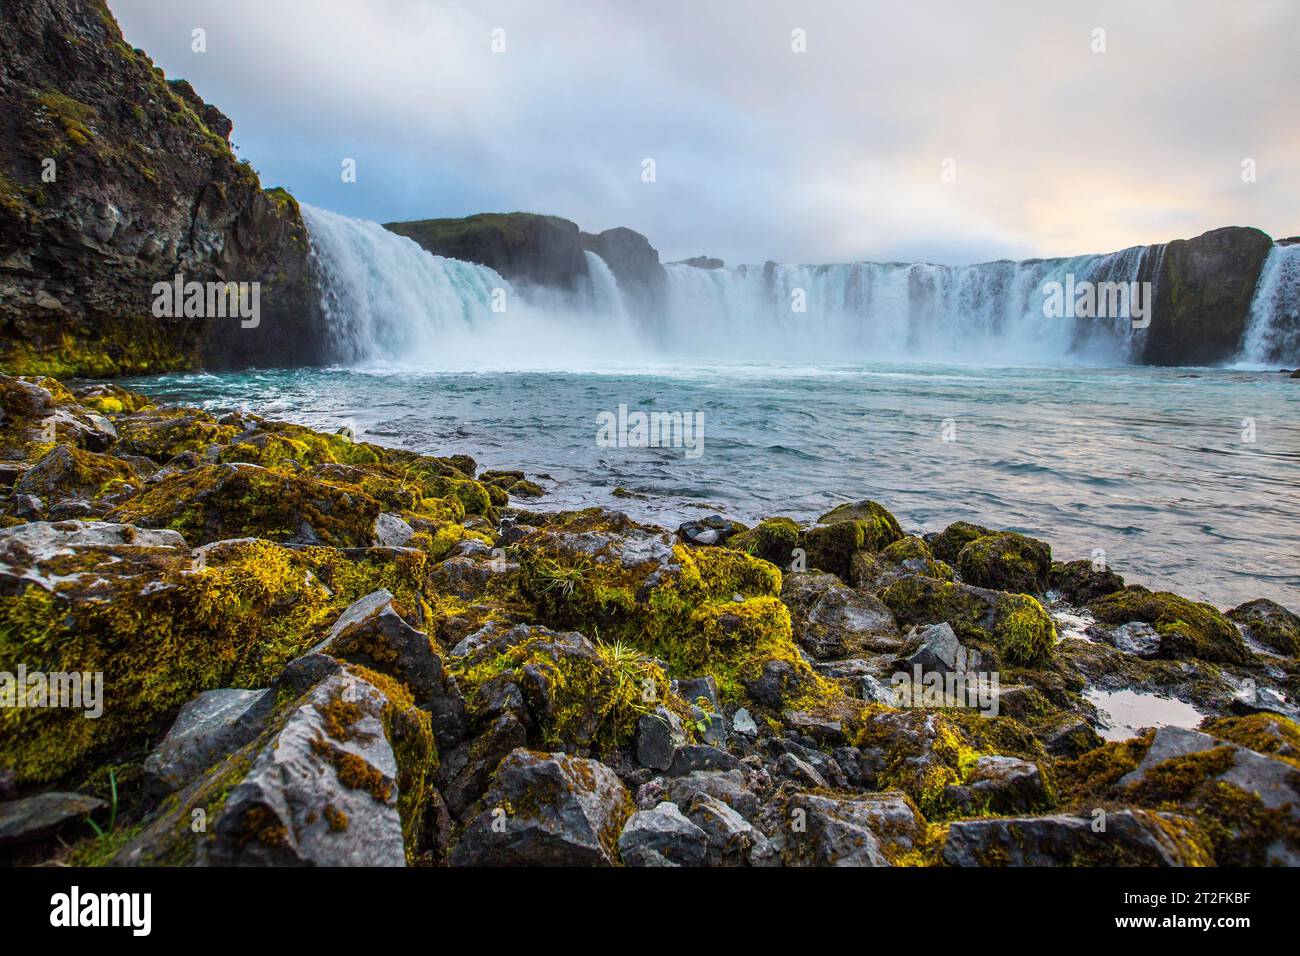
546, 251
1203, 289
113, 178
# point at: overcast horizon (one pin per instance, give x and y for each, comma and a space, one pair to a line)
833, 154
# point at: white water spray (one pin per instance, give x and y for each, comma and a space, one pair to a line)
1273, 329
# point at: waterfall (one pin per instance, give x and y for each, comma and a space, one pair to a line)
388, 301
386, 298
1272, 334
898, 311
606, 299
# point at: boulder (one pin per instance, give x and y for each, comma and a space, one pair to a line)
212, 725
1006, 561
33, 819
732, 840
1129, 838
831, 620
999, 784
1270, 624
662, 837
863, 831
547, 810
1080, 582
1186, 628
658, 736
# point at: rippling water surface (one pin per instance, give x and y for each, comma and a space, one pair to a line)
1153, 466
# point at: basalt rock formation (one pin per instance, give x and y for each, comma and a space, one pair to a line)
1203, 288
114, 178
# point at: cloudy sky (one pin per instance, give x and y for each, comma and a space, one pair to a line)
835, 153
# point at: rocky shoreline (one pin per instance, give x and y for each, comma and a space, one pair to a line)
318, 650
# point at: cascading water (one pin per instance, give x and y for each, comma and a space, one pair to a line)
386, 298
1273, 328
874, 311
388, 301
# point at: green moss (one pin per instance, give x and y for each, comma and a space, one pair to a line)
592, 701
1023, 631
846, 530
1186, 628
217, 502
947, 544
234, 624
914, 554
1006, 562
772, 539
1269, 734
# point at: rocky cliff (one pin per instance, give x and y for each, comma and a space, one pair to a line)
113, 178
546, 251
1203, 288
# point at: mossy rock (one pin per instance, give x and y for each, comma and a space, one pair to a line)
913, 554
1006, 561
1082, 581
162, 624
164, 433
1270, 734
925, 751
1271, 624
216, 502
1187, 628
1015, 625
583, 696
879, 527
772, 539
109, 399
69, 472
947, 544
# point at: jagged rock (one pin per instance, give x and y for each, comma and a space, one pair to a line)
547, 810
732, 840
937, 650
391, 531
825, 730
743, 723
696, 757
854, 832
1136, 638
802, 773
662, 837
1130, 838
33, 819
824, 766
467, 573
999, 784
831, 620
215, 723
701, 693
465, 773
776, 681
658, 735
322, 791
728, 786
372, 632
